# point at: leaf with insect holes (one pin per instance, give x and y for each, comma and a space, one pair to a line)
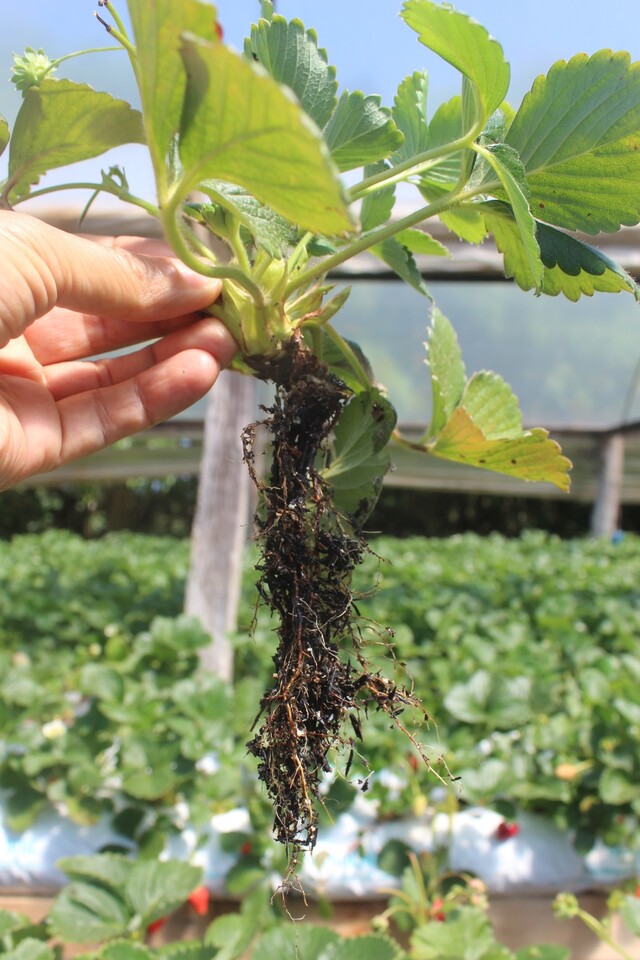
467, 46
4, 135
269, 230
578, 136
571, 267
290, 54
61, 122
360, 131
157, 29
256, 136
410, 115
400, 259
479, 423
359, 460
506, 165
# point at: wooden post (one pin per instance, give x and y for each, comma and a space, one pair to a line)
222, 520
606, 509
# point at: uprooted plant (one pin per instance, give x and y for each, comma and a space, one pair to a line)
249, 149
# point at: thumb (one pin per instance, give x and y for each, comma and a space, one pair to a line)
43, 267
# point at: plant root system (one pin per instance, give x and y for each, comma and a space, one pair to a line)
309, 552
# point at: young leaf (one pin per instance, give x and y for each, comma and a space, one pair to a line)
291, 56
255, 136
399, 258
269, 230
377, 206
504, 162
410, 115
360, 131
578, 136
157, 29
571, 267
4, 135
62, 122
360, 460
467, 46
447, 371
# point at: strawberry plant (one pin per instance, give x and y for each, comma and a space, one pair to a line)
251, 150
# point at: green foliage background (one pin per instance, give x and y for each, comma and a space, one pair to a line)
526, 647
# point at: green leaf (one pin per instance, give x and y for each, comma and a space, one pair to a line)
446, 368
29, 949
23, 807
506, 163
11, 922
125, 950
61, 122
545, 951
360, 459
4, 135
150, 784
189, 950
630, 913
290, 54
244, 876
493, 406
258, 137
360, 131
333, 355
394, 857
410, 115
466, 221
417, 241
100, 681
231, 935
467, 46
269, 230
572, 267
401, 261
377, 206
296, 942
616, 789
110, 869
85, 913
157, 29
371, 947
156, 889
578, 136
467, 937
443, 172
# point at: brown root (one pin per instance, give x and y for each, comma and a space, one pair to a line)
309, 553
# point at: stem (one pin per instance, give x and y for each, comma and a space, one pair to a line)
603, 934
96, 188
80, 53
116, 18
298, 252
410, 167
370, 240
177, 237
346, 351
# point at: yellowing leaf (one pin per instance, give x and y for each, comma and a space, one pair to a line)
532, 456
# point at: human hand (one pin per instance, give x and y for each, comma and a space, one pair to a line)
64, 298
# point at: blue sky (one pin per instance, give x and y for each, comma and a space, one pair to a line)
368, 43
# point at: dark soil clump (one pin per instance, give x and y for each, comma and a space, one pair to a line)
309, 552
